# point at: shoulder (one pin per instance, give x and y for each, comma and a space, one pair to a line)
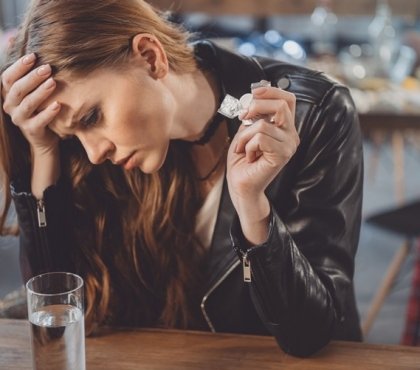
308, 85
238, 71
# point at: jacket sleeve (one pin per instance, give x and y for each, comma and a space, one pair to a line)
302, 275
44, 237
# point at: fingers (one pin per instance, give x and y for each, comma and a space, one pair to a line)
271, 101
43, 118
282, 119
263, 138
267, 146
31, 102
260, 127
24, 86
276, 112
24, 90
275, 93
16, 71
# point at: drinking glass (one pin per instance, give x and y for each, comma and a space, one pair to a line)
56, 316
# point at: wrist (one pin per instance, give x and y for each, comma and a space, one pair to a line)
44, 152
45, 169
254, 217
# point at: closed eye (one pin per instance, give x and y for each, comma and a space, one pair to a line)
91, 118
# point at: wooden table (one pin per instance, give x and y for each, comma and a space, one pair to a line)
389, 121
182, 350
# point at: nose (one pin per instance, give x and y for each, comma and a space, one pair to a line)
97, 149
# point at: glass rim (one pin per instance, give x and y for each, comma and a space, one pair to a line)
79, 280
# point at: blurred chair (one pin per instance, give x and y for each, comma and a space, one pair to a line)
405, 221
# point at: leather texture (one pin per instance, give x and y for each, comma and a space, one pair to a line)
301, 290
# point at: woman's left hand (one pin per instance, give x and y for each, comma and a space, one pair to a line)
258, 152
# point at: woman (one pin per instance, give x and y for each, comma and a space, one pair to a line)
174, 215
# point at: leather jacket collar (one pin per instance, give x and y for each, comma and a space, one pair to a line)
235, 74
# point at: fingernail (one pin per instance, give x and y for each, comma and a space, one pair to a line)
262, 83
29, 59
259, 90
49, 83
247, 122
243, 114
236, 148
55, 105
44, 70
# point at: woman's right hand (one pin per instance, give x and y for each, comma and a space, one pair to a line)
24, 89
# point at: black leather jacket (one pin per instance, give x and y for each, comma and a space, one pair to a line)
301, 288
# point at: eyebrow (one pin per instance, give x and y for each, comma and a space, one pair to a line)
69, 122
77, 116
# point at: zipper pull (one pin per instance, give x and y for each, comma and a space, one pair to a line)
40, 210
246, 264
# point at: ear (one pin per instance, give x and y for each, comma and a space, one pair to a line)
148, 49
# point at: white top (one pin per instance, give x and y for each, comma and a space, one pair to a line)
207, 214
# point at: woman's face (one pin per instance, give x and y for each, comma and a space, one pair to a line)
125, 116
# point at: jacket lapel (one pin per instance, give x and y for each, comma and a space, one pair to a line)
236, 74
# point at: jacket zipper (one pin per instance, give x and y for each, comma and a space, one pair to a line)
40, 211
246, 266
41, 219
212, 288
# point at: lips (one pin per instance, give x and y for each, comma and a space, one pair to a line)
121, 162
129, 163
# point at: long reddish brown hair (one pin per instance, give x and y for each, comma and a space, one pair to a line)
134, 238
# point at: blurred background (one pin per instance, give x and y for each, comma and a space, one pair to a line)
373, 47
